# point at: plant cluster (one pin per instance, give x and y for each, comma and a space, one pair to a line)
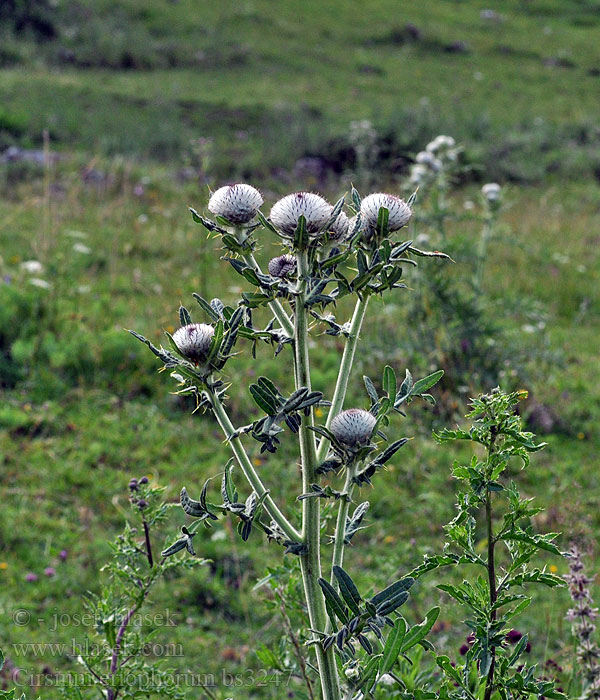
359, 638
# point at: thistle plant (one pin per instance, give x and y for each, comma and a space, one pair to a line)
494, 597
325, 255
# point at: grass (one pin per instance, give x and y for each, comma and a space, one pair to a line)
83, 409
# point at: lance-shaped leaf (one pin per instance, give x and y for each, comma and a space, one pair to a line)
390, 605
207, 223
417, 633
392, 647
404, 584
184, 542
197, 509
334, 604
353, 523
206, 307
348, 589
184, 316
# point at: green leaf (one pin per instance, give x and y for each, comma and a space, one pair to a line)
392, 591
301, 234
333, 602
419, 632
393, 643
389, 382
446, 665
348, 589
184, 316
206, 307
426, 383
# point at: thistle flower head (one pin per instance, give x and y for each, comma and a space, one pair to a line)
491, 191
237, 203
282, 266
399, 211
194, 340
353, 427
340, 227
286, 212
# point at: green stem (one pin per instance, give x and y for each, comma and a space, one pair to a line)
248, 469
341, 385
310, 562
275, 305
489, 686
337, 558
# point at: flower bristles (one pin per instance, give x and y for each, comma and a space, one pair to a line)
399, 211
237, 203
286, 212
194, 341
353, 427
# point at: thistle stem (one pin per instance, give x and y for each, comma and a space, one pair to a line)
248, 469
310, 562
489, 686
341, 385
275, 305
337, 558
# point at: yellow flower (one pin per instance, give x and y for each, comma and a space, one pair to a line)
522, 394
389, 539
319, 412
580, 436
3, 565
553, 568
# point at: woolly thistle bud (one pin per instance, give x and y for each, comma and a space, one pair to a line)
194, 340
282, 266
399, 211
353, 427
340, 227
237, 203
491, 191
286, 212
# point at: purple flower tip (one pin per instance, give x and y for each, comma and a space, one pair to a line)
31, 577
49, 571
63, 555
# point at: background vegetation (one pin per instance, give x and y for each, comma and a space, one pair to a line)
144, 105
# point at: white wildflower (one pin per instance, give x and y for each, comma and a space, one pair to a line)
43, 284
491, 191
194, 340
282, 266
81, 248
33, 267
440, 143
286, 212
353, 427
237, 203
339, 228
399, 211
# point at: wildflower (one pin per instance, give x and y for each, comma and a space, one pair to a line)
31, 577
387, 679
81, 248
63, 555
43, 284
194, 340
428, 159
133, 484
282, 266
418, 174
237, 203
144, 480
3, 565
513, 636
399, 211
33, 267
286, 212
353, 427
491, 191
340, 227
142, 503
49, 571
440, 143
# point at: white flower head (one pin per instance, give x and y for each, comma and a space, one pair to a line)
353, 427
33, 267
286, 212
194, 340
386, 679
427, 159
440, 143
340, 227
491, 191
399, 211
419, 174
237, 203
282, 266
43, 284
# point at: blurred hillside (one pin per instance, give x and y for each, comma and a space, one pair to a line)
263, 84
